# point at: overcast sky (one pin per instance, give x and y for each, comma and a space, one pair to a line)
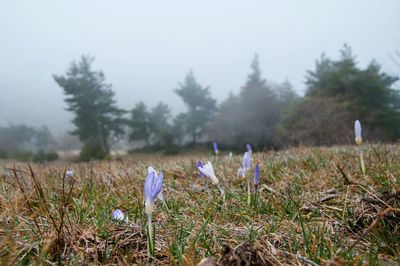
146, 47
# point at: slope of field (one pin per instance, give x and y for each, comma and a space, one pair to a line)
314, 206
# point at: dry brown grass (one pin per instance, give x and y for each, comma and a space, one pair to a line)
314, 207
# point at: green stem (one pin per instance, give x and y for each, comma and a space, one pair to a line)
362, 163
150, 242
248, 192
221, 190
255, 195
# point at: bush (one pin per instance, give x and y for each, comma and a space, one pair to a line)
23, 156
42, 156
92, 151
3, 154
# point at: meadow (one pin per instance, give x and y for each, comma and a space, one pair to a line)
314, 207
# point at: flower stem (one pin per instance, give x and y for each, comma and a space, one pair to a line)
255, 195
150, 242
362, 163
248, 192
221, 190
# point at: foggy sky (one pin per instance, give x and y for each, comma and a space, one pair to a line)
146, 47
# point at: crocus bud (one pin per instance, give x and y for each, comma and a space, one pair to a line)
357, 131
240, 172
246, 161
152, 187
248, 148
256, 175
215, 147
118, 215
69, 173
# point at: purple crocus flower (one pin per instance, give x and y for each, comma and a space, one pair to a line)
256, 175
118, 215
246, 161
152, 187
215, 147
248, 148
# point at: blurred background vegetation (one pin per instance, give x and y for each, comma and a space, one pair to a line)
266, 114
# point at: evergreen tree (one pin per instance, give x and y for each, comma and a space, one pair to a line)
160, 127
97, 117
254, 115
139, 124
44, 139
260, 109
366, 93
201, 106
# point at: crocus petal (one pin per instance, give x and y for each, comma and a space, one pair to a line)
148, 186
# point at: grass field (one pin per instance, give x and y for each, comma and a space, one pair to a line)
314, 206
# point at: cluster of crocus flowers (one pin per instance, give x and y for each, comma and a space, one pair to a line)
358, 139
152, 190
208, 171
246, 163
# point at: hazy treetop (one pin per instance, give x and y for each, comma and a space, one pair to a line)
146, 47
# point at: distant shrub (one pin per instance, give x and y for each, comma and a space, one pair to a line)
3, 154
42, 156
23, 156
172, 150
90, 151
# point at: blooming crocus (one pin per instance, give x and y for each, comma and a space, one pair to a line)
118, 215
215, 145
357, 131
152, 187
208, 170
248, 148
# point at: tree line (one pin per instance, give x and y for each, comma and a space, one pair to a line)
266, 114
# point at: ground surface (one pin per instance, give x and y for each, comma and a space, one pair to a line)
314, 206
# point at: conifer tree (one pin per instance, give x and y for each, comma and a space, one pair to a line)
91, 99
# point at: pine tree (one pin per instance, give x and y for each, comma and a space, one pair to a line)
201, 106
97, 117
139, 124
160, 127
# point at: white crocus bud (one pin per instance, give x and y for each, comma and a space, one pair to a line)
69, 173
357, 131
